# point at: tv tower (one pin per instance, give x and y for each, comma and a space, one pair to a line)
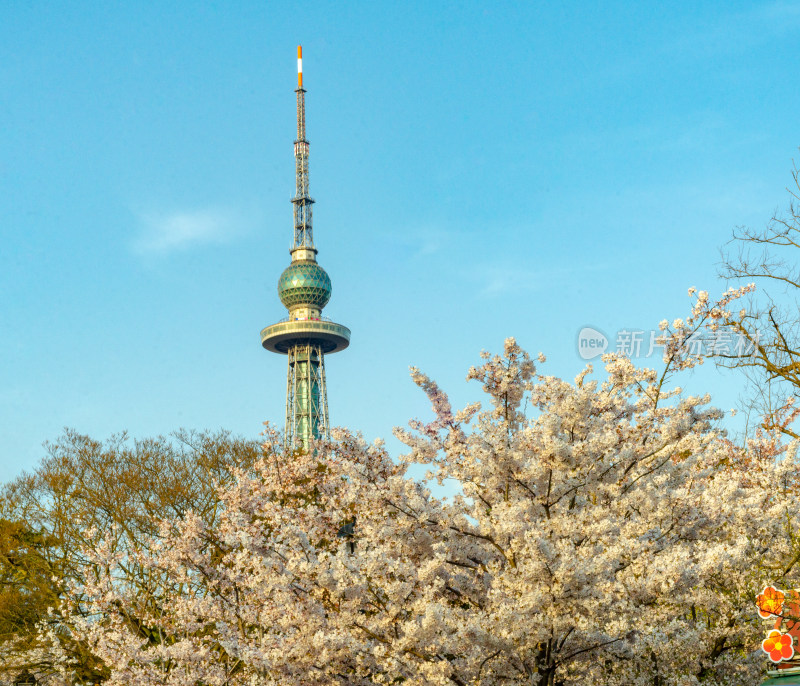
304, 288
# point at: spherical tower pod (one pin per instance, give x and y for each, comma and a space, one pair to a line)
304, 283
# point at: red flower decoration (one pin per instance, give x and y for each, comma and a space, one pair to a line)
778, 646
769, 602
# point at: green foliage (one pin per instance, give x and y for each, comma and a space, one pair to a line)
27, 572
82, 490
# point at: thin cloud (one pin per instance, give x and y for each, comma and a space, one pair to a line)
427, 239
781, 11
738, 31
498, 280
165, 233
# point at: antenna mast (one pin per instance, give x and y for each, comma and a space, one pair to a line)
302, 201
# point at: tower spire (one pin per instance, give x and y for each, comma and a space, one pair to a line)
303, 228
304, 288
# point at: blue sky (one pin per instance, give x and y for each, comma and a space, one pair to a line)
481, 170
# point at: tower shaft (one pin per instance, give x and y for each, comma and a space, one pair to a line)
306, 395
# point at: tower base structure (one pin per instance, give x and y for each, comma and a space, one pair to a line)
306, 395
305, 343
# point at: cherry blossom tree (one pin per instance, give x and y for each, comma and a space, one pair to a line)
606, 531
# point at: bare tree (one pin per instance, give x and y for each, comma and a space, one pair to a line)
771, 324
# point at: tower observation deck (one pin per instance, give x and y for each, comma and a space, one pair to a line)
304, 288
